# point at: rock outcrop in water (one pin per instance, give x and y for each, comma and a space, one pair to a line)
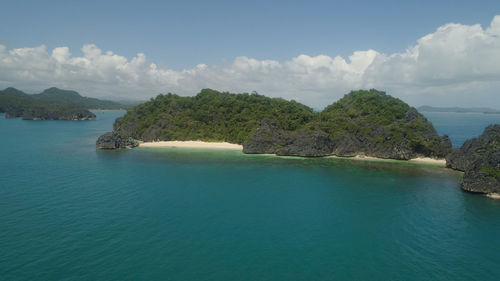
113, 140
369, 123
479, 159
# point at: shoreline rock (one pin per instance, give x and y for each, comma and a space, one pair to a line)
113, 140
268, 139
479, 159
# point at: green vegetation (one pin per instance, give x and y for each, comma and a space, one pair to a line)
13, 101
380, 120
491, 171
64, 97
372, 117
210, 116
51, 104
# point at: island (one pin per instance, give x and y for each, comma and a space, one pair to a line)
366, 122
362, 124
485, 110
51, 104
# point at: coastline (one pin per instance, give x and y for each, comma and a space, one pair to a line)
427, 160
192, 144
232, 146
495, 196
418, 160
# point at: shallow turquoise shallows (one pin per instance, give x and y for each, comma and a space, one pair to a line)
69, 212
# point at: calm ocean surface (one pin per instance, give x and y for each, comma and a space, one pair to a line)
69, 212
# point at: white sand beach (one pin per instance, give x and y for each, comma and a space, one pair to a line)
232, 146
192, 144
493, 195
427, 160
419, 160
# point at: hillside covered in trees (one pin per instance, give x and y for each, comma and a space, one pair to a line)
210, 116
363, 122
51, 104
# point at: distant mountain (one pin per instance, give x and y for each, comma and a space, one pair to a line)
427, 108
59, 96
51, 104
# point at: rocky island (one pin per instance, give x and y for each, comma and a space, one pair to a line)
362, 123
479, 159
51, 104
369, 123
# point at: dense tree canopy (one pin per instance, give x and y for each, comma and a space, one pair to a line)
372, 117
380, 119
210, 116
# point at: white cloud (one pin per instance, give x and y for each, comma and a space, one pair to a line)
61, 54
456, 65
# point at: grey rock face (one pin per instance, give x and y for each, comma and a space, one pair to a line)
113, 140
347, 146
479, 158
444, 147
268, 139
412, 115
308, 144
478, 182
265, 140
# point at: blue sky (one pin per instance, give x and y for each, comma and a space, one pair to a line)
181, 34
424, 52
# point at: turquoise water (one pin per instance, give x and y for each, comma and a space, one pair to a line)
461, 126
69, 212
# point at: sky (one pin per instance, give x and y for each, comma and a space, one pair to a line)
424, 52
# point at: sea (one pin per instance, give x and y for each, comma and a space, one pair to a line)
71, 212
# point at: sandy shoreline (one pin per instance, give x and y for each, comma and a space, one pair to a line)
232, 146
192, 144
418, 160
493, 195
427, 160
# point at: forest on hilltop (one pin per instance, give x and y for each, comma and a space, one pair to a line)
367, 120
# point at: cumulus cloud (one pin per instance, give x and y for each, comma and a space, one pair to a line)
455, 65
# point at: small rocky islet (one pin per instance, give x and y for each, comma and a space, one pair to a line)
479, 159
364, 122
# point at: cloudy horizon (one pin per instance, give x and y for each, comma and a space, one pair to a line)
455, 65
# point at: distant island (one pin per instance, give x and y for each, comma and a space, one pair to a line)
487, 110
51, 104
